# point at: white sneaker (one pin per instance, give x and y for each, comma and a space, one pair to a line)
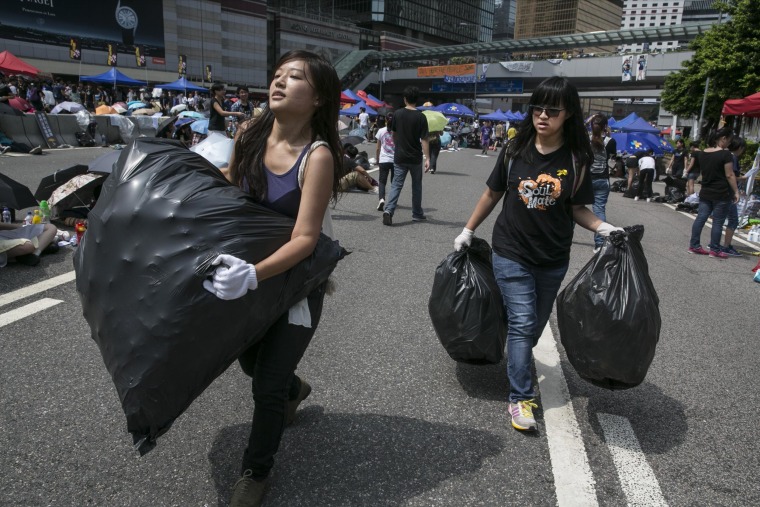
649, 199
597, 248
381, 205
636, 198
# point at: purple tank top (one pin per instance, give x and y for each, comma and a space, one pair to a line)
283, 191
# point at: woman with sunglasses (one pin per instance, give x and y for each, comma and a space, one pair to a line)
542, 174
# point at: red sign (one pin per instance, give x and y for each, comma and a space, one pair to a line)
158, 61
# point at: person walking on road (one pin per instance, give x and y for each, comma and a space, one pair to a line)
542, 174
604, 148
717, 193
364, 122
297, 125
410, 132
384, 156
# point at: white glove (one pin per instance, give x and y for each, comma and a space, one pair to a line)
233, 279
605, 229
464, 239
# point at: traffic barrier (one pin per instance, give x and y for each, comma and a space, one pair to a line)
66, 126
32, 131
13, 127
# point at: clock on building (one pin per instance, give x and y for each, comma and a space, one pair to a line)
126, 17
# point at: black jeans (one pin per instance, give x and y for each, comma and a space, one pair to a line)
645, 182
386, 169
271, 363
435, 150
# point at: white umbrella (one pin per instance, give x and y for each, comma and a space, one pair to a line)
178, 108
342, 125
71, 107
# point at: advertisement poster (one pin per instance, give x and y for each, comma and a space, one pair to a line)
139, 56
74, 52
182, 65
111, 58
208, 74
123, 23
641, 68
627, 71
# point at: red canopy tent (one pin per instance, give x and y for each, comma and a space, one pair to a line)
10, 64
369, 101
748, 106
345, 98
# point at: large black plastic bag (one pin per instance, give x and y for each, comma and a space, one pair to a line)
609, 316
163, 215
466, 306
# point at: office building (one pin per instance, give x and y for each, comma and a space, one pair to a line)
641, 13
542, 18
504, 17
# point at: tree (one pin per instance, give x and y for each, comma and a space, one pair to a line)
729, 54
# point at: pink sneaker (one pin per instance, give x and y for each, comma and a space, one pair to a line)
718, 254
699, 251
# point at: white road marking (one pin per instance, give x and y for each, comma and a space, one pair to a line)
636, 476
36, 288
573, 479
27, 310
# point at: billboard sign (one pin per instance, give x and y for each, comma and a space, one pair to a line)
124, 23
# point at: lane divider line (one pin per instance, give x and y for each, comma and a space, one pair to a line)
573, 480
737, 237
637, 478
36, 288
27, 310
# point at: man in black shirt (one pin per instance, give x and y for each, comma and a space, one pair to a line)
410, 132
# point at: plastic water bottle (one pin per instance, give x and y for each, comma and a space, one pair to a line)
28, 219
45, 209
6, 215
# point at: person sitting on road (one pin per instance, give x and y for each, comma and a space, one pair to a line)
355, 170
26, 244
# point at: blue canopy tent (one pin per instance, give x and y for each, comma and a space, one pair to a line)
113, 77
454, 109
497, 115
611, 122
182, 85
353, 96
625, 121
353, 110
638, 125
632, 142
514, 116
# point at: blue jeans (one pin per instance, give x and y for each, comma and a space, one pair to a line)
399, 176
528, 293
601, 188
719, 211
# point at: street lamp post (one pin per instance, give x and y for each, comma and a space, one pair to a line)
477, 57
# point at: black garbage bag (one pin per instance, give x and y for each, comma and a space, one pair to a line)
633, 190
608, 315
163, 215
466, 306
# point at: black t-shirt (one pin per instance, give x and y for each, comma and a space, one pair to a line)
409, 126
216, 120
715, 186
535, 226
678, 163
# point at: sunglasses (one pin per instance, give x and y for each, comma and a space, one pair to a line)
551, 112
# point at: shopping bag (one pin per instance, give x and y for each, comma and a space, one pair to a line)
466, 307
608, 315
163, 216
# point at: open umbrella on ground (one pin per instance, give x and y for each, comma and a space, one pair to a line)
436, 121
192, 114
105, 110
68, 107
200, 127
6, 109
104, 163
352, 140
178, 108
120, 104
119, 109
78, 191
21, 104
145, 111
49, 183
15, 195
342, 125
137, 104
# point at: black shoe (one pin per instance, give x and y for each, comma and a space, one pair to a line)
432, 172
387, 219
28, 259
293, 404
420, 218
37, 150
381, 205
248, 492
51, 248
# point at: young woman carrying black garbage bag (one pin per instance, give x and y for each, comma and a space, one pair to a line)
543, 176
297, 126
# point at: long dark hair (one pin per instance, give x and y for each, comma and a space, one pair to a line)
598, 126
715, 135
554, 92
251, 145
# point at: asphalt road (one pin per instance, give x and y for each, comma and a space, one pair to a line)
392, 420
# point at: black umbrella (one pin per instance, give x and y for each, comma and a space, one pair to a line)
15, 195
6, 109
55, 180
352, 140
105, 163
